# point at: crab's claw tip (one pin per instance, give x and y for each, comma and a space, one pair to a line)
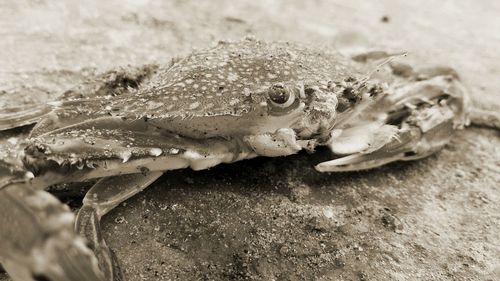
358, 162
320, 168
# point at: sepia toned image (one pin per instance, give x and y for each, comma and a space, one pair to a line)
249, 140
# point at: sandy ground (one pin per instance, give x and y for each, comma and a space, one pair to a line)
278, 219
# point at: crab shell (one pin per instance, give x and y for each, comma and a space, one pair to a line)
232, 102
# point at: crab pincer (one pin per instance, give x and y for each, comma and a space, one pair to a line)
408, 121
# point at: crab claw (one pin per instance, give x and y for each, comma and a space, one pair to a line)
407, 123
37, 240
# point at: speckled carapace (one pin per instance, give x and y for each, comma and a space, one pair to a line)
220, 84
220, 80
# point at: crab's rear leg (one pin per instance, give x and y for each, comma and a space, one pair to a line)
114, 82
485, 118
105, 195
408, 123
37, 239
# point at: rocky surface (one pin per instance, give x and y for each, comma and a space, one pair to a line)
278, 219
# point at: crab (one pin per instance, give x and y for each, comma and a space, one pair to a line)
234, 101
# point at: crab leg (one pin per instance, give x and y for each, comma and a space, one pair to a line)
37, 240
485, 118
114, 82
105, 195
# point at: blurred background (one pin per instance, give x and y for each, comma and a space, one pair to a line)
436, 219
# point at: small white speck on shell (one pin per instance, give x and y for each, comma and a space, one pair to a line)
12, 140
194, 105
174, 151
232, 77
234, 102
272, 76
155, 151
29, 175
125, 155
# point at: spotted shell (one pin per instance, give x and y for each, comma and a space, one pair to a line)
209, 87
220, 80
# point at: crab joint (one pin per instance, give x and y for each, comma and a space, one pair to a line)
283, 142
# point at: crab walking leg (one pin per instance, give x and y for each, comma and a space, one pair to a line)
120, 81
21, 116
485, 118
105, 195
37, 239
478, 117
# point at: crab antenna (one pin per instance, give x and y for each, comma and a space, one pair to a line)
362, 84
391, 58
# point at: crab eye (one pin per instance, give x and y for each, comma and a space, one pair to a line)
279, 96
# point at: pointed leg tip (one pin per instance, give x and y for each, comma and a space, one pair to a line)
319, 168
328, 168
322, 168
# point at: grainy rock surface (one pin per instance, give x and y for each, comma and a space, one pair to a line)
278, 219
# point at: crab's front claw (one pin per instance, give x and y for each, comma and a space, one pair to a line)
407, 123
37, 238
